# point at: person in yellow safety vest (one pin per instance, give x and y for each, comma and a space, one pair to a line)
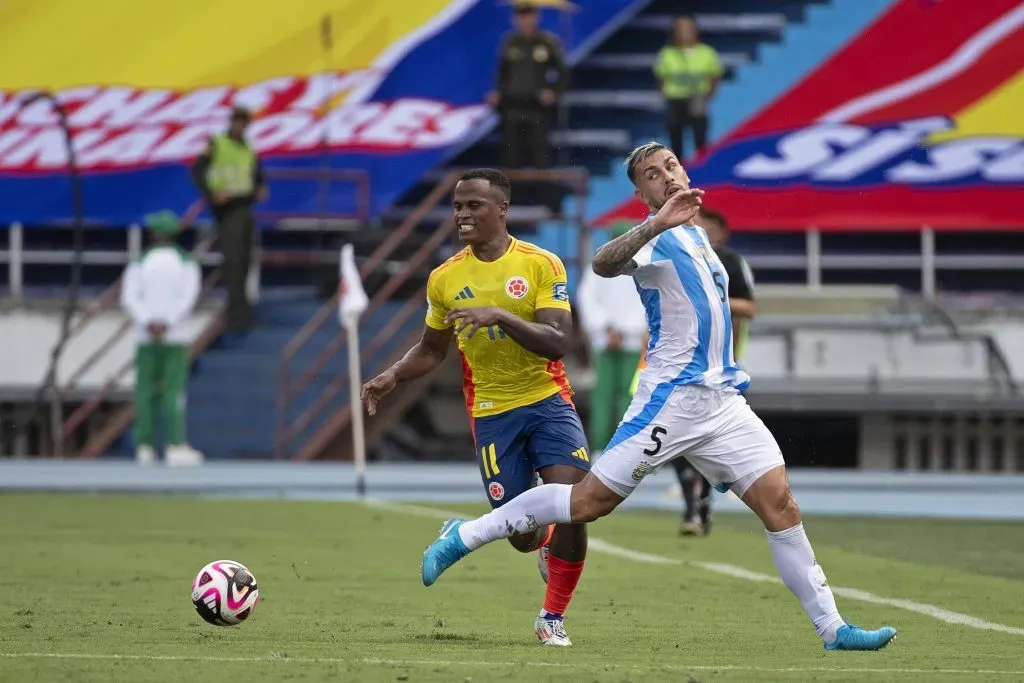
688, 72
231, 178
742, 307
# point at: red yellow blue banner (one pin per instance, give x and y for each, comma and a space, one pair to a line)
389, 87
916, 122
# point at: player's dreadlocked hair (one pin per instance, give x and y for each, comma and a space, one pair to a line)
493, 176
639, 155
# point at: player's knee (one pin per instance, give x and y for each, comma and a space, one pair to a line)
520, 543
530, 541
589, 510
787, 512
591, 502
772, 500
779, 510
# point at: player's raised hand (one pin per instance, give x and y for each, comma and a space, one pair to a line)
377, 388
472, 319
680, 208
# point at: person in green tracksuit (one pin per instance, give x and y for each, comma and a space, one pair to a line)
614, 320
159, 291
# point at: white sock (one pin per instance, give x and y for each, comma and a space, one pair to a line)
798, 569
536, 508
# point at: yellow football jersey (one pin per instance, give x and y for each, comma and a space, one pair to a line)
498, 373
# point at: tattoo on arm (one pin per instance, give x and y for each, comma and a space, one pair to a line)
616, 257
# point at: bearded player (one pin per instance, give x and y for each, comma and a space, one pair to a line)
506, 304
688, 405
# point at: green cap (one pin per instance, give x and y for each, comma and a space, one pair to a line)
620, 229
163, 223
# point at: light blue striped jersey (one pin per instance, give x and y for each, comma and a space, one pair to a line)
684, 288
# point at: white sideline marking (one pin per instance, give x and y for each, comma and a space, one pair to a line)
592, 665
607, 548
939, 613
414, 510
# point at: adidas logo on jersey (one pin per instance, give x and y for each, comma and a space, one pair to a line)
466, 293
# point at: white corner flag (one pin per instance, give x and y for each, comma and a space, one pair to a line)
352, 297
352, 303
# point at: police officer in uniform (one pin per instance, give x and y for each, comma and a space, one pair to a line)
532, 75
231, 179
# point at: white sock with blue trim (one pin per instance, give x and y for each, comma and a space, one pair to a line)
533, 509
798, 569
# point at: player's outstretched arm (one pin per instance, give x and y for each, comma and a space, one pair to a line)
420, 360
616, 257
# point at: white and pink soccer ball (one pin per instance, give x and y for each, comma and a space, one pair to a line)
225, 593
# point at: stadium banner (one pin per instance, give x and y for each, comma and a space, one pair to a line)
391, 87
915, 122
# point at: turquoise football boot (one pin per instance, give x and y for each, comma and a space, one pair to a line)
850, 637
444, 552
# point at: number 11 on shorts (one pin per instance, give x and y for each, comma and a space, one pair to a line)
490, 459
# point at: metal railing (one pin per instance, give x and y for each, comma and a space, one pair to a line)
340, 419
110, 297
17, 256
107, 301
87, 408
359, 178
121, 420
812, 262
289, 430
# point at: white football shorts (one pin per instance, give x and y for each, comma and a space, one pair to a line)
714, 429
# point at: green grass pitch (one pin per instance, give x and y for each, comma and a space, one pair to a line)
96, 589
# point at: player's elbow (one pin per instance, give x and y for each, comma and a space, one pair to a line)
603, 267
435, 355
557, 346
555, 353
428, 356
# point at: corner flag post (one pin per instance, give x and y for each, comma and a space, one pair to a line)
352, 304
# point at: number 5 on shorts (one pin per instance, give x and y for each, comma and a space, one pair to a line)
656, 435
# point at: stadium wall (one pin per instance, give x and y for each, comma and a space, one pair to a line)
820, 492
29, 337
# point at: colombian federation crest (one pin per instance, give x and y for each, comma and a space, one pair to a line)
517, 287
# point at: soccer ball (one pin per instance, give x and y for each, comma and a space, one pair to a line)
225, 593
